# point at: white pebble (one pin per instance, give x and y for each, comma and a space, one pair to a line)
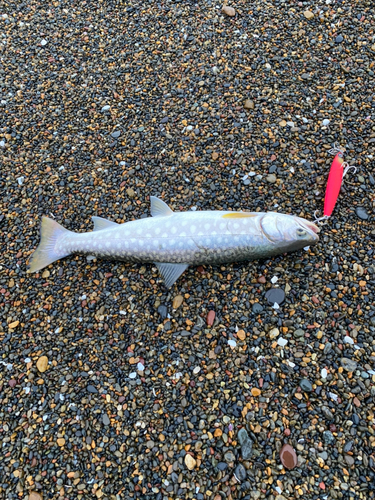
324, 373
106, 108
232, 343
27, 360
306, 248
348, 340
20, 180
43, 43
291, 124
326, 122
196, 370
333, 396
27, 390
276, 306
274, 279
140, 367
282, 342
2, 144
132, 375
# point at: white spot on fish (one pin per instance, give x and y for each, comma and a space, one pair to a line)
207, 225
107, 244
192, 228
164, 235
222, 225
174, 230
157, 230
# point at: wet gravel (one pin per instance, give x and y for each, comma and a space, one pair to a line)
110, 386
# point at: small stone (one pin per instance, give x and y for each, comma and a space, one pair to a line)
349, 460
255, 391
229, 11
61, 442
12, 382
308, 14
288, 457
328, 437
241, 334
306, 385
163, 311
361, 213
34, 495
13, 325
348, 364
106, 420
339, 39
43, 43
177, 301
92, 389
190, 462
240, 472
106, 108
130, 192
275, 332
246, 444
282, 123
116, 134
249, 104
275, 295
215, 156
298, 333
210, 318
257, 308
42, 364
271, 178
229, 457
45, 274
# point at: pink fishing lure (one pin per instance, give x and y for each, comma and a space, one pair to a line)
334, 184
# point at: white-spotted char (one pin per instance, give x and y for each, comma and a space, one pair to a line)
175, 240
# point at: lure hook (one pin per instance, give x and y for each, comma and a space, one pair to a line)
347, 168
336, 150
323, 220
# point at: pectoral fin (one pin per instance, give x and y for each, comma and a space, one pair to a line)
100, 223
170, 272
158, 207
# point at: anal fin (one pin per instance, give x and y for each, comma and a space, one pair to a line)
170, 272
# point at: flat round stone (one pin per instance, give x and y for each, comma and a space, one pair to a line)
275, 295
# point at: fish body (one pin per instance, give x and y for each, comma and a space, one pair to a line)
175, 240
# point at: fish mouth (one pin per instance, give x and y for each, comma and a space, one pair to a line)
312, 228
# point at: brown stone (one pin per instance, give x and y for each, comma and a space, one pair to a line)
288, 457
42, 364
190, 462
211, 318
255, 391
241, 334
61, 441
249, 104
33, 495
308, 14
177, 301
261, 279
215, 156
229, 11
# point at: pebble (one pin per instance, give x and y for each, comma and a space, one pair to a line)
190, 462
245, 443
229, 11
306, 385
249, 104
271, 178
308, 14
34, 495
275, 295
106, 420
348, 364
42, 364
240, 473
339, 39
361, 213
288, 457
177, 301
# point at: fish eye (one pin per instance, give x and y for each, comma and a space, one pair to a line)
301, 232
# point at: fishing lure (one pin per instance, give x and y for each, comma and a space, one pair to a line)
338, 170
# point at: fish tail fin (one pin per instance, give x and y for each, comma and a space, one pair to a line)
48, 251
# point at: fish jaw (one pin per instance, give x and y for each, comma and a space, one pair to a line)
287, 233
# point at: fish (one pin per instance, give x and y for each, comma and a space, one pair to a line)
173, 241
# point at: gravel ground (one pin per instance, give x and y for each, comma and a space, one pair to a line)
110, 386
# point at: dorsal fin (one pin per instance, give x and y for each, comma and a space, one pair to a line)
159, 208
100, 223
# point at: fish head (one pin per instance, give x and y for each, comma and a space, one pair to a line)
289, 232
